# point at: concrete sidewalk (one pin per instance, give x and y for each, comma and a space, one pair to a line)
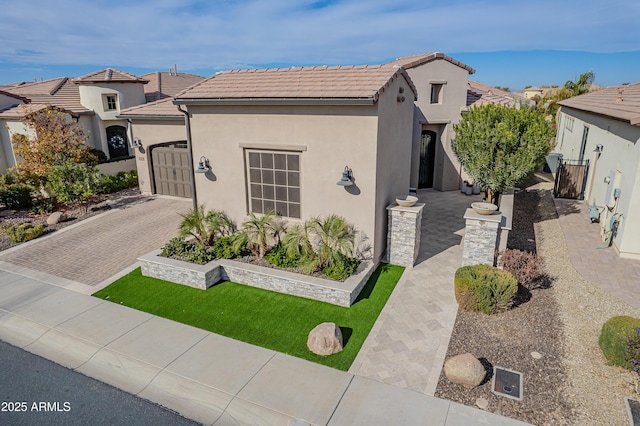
204, 376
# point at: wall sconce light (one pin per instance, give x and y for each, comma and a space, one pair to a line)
135, 143
203, 165
598, 148
347, 177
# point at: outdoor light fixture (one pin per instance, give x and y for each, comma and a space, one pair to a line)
135, 143
203, 165
347, 177
598, 148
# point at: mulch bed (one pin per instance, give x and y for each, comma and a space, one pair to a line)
75, 213
508, 339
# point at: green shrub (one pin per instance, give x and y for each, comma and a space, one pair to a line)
194, 252
16, 196
123, 180
100, 155
615, 340
342, 269
483, 288
73, 182
279, 257
224, 248
24, 232
43, 205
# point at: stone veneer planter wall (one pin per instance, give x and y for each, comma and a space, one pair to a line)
204, 276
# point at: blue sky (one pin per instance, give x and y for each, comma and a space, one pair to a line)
510, 43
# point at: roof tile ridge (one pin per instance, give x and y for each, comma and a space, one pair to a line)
58, 86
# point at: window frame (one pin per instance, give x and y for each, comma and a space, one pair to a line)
268, 176
107, 105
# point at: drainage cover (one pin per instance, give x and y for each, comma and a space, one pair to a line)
633, 410
507, 383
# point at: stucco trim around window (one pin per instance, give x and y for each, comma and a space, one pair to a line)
272, 146
110, 101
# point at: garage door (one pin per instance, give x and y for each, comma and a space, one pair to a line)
171, 174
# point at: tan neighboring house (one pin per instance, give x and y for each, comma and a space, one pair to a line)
441, 82
604, 127
93, 100
479, 94
533, 92
281, 139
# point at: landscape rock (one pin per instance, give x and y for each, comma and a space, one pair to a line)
6, 213
56, 217
465, 369
325, 339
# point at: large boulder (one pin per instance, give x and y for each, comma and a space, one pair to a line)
56, 217
465, 370
325, 339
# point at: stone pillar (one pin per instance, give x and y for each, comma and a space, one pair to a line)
403, 234
480, 238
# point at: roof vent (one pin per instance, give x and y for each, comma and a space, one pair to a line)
619, 98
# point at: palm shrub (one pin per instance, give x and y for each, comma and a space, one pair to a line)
334, 237
619, 341
206, 227
483, 288
259, 233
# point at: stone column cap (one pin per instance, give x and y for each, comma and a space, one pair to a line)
494, 217
413, 209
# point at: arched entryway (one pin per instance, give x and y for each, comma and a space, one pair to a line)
117, 141
170, 169
427, 158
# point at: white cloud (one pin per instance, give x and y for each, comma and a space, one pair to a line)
233, 34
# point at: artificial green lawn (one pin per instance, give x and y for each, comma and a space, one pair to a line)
260, 317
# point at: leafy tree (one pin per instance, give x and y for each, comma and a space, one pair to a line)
73, 182
57, 140
506, 89
500, 146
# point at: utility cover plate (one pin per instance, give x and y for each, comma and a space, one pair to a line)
507, 383
633, 410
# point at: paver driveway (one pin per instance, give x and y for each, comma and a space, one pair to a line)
101, 246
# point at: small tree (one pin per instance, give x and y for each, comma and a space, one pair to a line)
500, 146
73, 182
57, 140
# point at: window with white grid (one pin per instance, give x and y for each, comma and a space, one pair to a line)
274, 182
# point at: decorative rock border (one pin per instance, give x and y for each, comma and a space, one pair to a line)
204, 276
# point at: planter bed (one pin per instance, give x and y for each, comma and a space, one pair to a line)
341, 293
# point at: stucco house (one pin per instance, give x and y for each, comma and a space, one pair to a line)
93, 100
281, 139
604, 127
441, 82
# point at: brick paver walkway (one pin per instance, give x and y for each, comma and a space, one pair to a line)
408, 343
602, 267
101, 246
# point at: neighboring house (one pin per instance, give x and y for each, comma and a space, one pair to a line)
604, 127
441, 82
479, 94
94, 100
280, 139
533, 92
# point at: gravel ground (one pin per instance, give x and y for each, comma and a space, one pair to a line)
75, 214
570, 383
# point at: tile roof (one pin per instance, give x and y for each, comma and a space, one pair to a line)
321, 82
163, 108
110, 75
413, 61
167, 84
619, 102
13, 95
479, 94
59, 92
19, 111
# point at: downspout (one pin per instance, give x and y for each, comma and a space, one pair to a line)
192, 176
596, 156
131, 138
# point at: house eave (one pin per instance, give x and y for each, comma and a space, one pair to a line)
149, 117
275, 101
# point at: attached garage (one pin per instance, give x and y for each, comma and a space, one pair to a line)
170, 169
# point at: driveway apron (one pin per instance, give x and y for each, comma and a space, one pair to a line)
97, 248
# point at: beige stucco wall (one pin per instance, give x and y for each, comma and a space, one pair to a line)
621, 152
152, 133
438, 117
393, 157
327, 137
91, 97
8, 128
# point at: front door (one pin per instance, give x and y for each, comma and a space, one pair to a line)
427, 159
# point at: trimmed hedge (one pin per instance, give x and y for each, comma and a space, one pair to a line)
615, 338
483, 288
